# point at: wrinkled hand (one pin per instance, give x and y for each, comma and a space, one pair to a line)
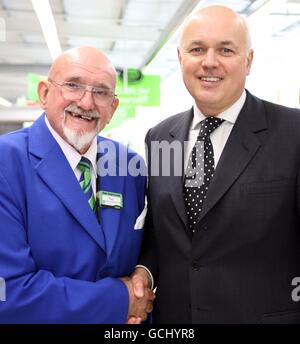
141, 296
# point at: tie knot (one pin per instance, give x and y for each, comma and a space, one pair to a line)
84, 164
208, 125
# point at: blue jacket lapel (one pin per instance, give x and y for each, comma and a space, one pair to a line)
53, 168
110, 217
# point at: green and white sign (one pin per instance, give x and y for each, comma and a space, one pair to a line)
32, 84
143, 92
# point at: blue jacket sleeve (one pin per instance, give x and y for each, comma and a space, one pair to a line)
37, 296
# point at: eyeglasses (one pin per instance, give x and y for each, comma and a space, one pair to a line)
73, 91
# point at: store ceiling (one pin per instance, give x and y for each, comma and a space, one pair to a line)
130, 32
274, 26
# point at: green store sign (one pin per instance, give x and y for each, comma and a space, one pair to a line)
143, 92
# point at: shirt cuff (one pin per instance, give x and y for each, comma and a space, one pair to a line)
149, 273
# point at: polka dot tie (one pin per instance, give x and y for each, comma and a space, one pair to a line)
85, 181
200, 171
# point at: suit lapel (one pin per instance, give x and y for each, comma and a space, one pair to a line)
55, 171
179, 132
110, 218
240, 148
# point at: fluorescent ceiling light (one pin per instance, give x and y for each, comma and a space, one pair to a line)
5, 102
265, 8
45, 16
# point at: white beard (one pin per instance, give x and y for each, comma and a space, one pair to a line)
76, 140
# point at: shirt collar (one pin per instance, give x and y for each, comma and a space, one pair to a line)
230, 115
71, 153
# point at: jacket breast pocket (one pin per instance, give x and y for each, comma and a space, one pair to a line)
264, 187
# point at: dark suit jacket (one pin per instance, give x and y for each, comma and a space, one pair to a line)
239, 265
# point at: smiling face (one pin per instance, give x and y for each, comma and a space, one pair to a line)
78, 121
215, 58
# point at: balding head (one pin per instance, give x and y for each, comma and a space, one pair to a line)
86, 57
217, 14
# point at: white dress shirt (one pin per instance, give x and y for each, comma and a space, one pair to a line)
74, 157
220, 135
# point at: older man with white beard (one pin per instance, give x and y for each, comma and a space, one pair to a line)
69, 233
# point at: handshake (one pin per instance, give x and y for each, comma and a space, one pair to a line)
141, 296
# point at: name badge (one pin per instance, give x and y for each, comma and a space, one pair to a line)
110, 199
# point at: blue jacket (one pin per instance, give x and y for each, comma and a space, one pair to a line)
59, 264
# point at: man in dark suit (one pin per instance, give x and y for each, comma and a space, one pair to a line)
223, 244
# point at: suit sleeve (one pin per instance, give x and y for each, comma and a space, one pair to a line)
37, 296
148, 256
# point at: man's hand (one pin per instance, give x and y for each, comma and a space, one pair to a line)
140, 296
